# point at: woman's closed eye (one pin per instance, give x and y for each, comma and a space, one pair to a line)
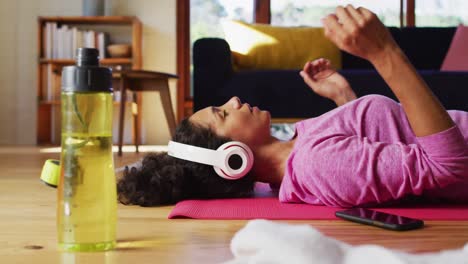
219, 112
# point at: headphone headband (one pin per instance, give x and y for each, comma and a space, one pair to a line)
193, 153
232, 160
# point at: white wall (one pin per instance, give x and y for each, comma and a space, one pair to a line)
18, 58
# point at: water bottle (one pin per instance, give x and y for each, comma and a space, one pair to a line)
87, 199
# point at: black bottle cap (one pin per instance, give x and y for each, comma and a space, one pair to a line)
87, 57
86, 75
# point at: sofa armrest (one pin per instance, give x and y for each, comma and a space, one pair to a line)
212, 67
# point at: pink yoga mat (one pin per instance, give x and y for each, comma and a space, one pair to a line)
266, 207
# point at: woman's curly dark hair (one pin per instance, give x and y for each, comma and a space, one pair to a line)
163, 179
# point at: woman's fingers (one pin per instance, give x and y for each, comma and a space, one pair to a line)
306, 72
345, 18
320, 64
307, 78
356, 15
315, 67
366, 13
306, 67
311, 68
327, 65
333, 30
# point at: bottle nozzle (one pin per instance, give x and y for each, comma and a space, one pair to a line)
87, 57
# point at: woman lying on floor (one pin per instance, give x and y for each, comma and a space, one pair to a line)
368, 151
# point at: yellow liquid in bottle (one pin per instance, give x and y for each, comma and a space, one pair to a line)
87, 199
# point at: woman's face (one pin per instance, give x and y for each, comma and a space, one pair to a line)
236, 120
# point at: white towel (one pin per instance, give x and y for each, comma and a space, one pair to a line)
262, 241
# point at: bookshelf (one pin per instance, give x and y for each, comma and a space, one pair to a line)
50, 61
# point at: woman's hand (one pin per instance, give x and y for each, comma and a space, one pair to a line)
358, 31
327, 82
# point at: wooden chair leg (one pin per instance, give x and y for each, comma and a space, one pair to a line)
123, 100
167, 106
136, 120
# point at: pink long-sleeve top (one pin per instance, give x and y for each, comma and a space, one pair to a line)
365, 153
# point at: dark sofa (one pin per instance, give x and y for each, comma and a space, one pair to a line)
284, 94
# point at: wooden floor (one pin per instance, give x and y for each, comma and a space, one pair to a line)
145, 235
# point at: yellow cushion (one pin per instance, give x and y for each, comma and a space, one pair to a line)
262, 46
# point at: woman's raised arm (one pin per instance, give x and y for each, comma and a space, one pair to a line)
358, 31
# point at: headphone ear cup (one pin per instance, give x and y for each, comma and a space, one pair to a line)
237, 160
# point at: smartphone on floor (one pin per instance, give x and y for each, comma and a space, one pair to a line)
380, 219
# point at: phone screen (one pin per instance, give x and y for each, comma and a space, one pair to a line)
380, 219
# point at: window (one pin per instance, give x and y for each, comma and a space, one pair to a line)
441, 13
206, 16
309, 12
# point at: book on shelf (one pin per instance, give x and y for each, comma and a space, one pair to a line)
62, 42
51, 83
101, 42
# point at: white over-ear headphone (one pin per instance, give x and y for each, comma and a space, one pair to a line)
232, 160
